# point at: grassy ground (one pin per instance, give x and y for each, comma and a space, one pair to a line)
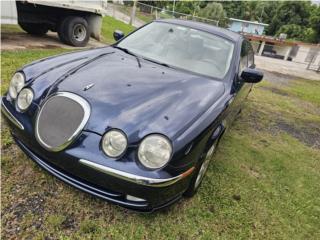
145, 17
264, 183
8, 28
110, 24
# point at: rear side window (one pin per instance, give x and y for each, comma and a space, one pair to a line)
250, 55
243, 56
247, 55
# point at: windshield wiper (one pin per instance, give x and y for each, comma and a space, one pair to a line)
159, 63
130, 53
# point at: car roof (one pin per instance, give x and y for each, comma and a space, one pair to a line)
233, 36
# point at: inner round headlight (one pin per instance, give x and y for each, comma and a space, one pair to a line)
155, 151
114, 143
16, 84
25, 98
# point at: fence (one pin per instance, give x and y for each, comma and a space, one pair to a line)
146, 13
156, 13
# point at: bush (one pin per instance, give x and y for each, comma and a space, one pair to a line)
298, 32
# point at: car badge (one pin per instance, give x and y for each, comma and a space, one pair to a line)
88, 87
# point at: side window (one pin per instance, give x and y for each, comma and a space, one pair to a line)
250, 55
244, 56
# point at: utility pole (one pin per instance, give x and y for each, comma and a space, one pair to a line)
174, 4
262, 11
133, 12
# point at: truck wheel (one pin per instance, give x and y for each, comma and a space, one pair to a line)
199, 173
34, 28
74, 31
60, 32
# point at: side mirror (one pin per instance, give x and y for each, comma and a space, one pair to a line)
117, 35
251, 75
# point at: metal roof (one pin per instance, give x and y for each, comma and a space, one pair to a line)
245, 21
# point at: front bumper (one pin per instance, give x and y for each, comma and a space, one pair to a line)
81, 166
10, 116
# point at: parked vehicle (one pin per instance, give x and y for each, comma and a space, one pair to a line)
135, 123
74, 21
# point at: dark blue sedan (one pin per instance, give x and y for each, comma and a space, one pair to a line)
135, 123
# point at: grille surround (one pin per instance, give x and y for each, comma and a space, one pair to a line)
86, 114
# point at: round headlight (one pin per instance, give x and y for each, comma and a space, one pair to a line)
25, 98
114, 143
154, 151
16, 84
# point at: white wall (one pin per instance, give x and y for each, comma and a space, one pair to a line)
281, 49
9, 12
303, 53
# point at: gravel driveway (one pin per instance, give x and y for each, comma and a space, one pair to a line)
22, 40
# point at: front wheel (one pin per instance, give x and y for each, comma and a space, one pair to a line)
200, 172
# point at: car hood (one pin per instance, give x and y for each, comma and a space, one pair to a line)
139, 100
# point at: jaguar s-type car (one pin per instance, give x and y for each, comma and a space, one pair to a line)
135, 123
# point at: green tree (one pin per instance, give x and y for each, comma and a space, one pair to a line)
297, 32
185, 7
293, 31
250, 10
288, 13
214, 11
315, 22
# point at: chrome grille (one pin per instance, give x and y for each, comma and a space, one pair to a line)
60, 120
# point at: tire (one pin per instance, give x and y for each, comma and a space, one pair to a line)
60, 32
201, 168
34, 28
74, 31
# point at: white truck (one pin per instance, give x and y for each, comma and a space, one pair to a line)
74, 21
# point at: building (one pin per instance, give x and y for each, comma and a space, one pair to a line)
243, 26
295, 51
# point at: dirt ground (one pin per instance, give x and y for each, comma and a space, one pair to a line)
286, 68
21, 40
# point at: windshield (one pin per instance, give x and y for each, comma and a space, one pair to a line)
182, 47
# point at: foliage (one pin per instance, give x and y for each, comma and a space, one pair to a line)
213, 11
289, 13
288, 16
299, 19
186, 7
293, 31
315, 21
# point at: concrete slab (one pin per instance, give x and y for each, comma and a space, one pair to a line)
297, 70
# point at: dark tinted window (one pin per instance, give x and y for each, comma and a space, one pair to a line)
244, 56
250, 55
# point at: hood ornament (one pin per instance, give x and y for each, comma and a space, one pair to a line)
88, 87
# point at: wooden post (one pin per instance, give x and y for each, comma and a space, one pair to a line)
287, 53
261, 48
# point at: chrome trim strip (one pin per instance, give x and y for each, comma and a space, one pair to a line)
87, 110
152, 182
9, 115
